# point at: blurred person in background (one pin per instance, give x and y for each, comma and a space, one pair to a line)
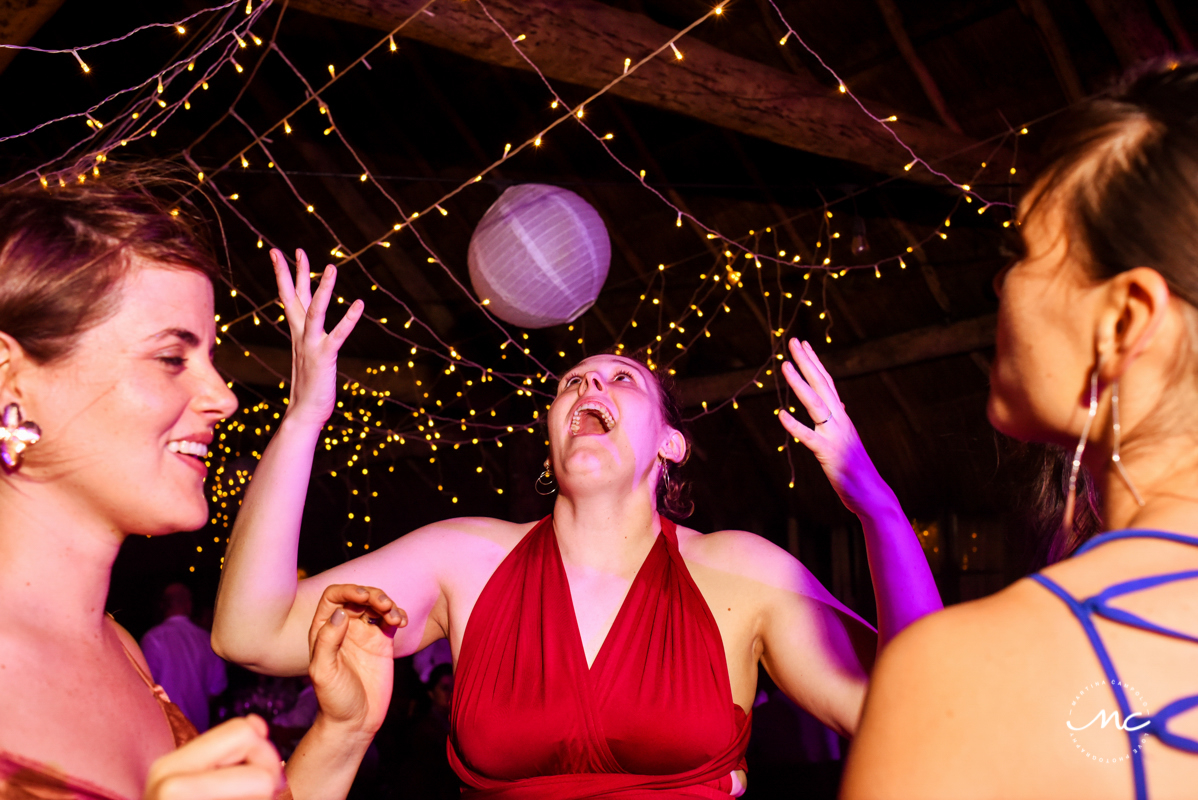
179, 654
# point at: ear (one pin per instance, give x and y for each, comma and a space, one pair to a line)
674, 448
12, 361
1136, 307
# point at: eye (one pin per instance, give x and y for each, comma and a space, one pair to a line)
571, 381
177, 362
627, 376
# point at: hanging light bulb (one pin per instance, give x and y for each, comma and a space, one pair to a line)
860, 242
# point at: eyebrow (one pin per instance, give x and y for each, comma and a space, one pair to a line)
636, 366
182, 334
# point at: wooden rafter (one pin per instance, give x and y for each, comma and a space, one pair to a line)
862, 359
585, 42
19, 20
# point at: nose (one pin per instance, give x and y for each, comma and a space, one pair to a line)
590, 380
217, 398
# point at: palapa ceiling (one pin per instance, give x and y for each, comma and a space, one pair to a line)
749, 138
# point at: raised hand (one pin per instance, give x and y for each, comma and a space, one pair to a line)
313, 352
351, 649
834, 439
233, 760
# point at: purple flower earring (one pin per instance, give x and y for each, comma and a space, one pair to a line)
16, 435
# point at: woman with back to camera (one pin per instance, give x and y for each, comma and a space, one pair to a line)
1081, 681
604, 650
109, 399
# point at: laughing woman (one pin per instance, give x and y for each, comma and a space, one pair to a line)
605, 650
109, 399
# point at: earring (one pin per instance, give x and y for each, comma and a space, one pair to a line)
545, 484
665, 471
1071, 493
16, 435
1115, 455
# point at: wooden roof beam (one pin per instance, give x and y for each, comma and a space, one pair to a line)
585, 42
901, 350
20, 20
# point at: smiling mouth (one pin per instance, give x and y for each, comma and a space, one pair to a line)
590, 418
188, 448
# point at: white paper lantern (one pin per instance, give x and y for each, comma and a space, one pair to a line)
539, 256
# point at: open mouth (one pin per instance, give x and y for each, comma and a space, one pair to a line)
186, 447
590, 419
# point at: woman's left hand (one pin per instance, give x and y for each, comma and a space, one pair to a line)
834, 439
350, 643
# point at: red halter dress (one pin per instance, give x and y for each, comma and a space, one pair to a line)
652, 718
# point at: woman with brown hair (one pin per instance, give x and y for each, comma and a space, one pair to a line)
1081, 681
605, 650
109, 399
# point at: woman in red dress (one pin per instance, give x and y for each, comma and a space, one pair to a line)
605, 650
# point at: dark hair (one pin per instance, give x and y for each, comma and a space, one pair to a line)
64, 250
673, 493
1122, 170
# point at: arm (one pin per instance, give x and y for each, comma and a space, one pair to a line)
352, 672
262, 611
902, 580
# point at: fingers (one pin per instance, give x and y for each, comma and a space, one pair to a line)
342, 329
230, 783
303, 278
292, 308
326, 644
807, 395
356, 601
233, 760
819, 365
798, 430
804, 358
320, 300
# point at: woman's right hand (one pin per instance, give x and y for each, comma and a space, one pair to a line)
313, 352
233, 761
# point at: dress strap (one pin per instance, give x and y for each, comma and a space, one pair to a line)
1135, 533
145, 676
1082, 612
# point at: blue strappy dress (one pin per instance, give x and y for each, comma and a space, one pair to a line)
1100, 604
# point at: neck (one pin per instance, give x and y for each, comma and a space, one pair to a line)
55, 558
1165, 475
605, 530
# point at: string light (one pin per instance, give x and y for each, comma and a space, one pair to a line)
673, 327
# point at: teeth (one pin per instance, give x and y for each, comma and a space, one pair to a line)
188, 448
605, 416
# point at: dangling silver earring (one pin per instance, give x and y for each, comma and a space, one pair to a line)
1071, 492
545, 484
16, 435
665, 471
1115, 455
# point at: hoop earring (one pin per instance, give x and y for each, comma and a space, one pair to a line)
1115, 455
1071, 493
545, 484
16, 435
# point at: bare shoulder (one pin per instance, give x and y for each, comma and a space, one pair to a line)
449, 544
130, 644
747, 556
966, 684
467, 532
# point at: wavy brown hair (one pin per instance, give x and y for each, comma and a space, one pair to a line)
65, 249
